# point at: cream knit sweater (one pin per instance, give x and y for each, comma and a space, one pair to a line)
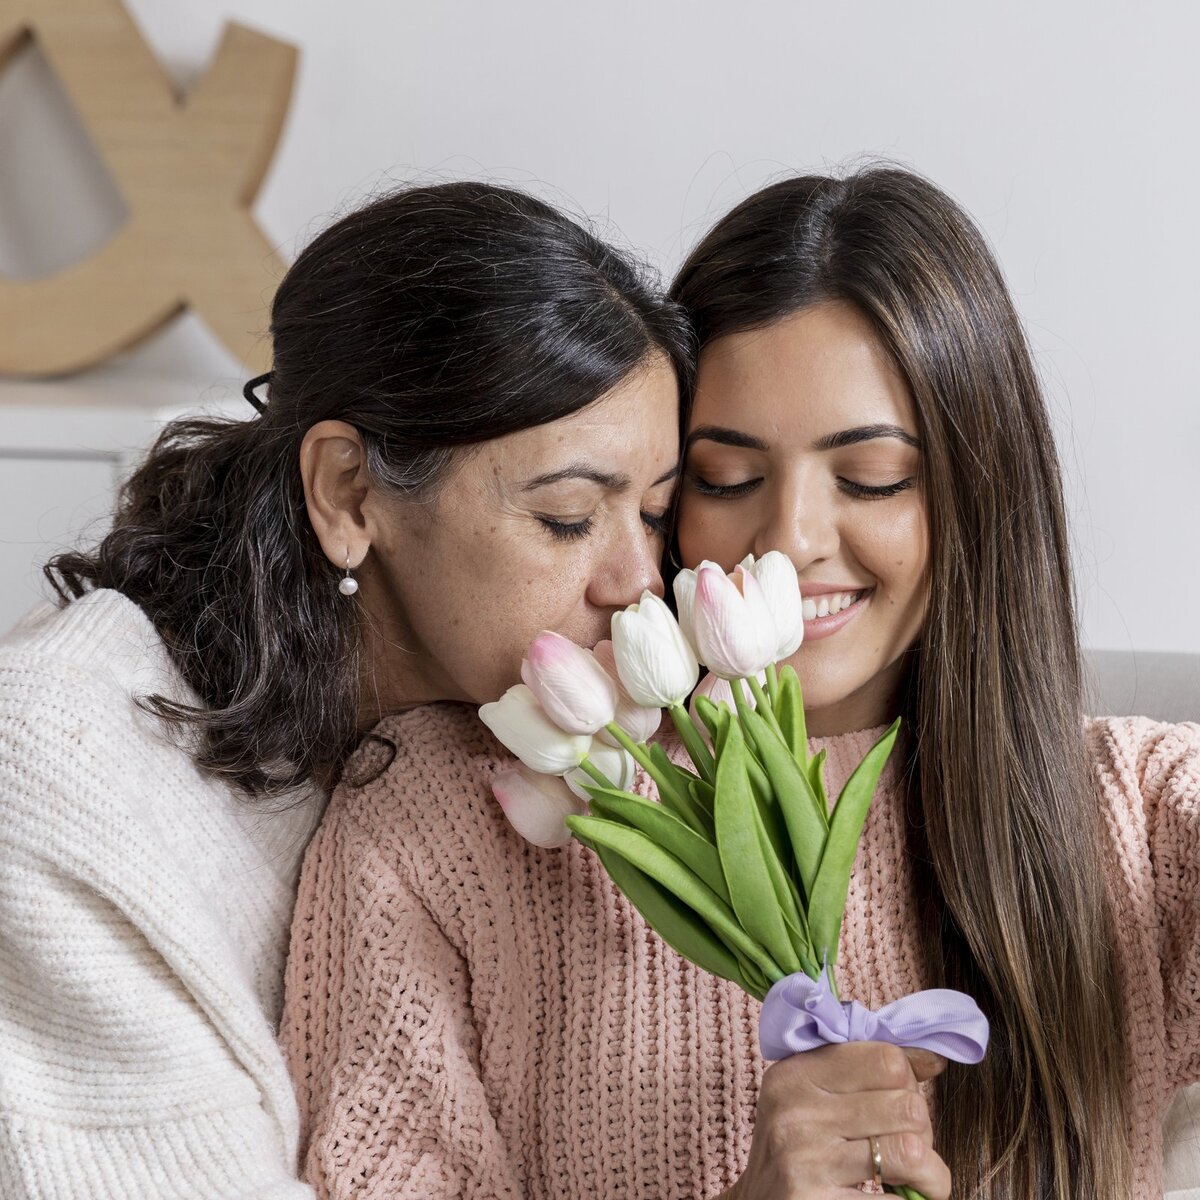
469, 1016
143, 923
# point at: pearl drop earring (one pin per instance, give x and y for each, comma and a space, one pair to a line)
348, 585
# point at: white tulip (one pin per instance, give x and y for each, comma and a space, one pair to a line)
640, 722
655, 661
519, 722
536, 805
776, 575
611, 761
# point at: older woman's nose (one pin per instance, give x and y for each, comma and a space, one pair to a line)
629, 568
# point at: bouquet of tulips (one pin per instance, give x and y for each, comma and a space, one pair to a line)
742, 867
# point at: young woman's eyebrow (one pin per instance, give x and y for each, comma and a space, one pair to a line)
725, 437
865, 433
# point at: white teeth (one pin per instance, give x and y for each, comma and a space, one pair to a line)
828, 605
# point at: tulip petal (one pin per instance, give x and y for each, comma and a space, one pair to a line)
639, 721
735, 634
655, 661
537, 806
776, 574
574, 690
519, 723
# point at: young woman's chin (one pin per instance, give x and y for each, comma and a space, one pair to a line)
845, 690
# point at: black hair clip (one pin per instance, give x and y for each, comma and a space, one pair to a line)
248, 390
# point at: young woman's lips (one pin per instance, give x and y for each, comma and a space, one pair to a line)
823, 627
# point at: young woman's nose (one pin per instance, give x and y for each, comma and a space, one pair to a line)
800, 523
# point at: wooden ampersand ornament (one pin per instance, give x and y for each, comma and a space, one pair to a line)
188, 169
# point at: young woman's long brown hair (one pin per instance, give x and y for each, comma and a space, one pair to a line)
1004, 825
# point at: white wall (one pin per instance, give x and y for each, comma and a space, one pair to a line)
1068, 129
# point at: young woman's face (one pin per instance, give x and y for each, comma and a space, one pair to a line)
803, 439
556, 527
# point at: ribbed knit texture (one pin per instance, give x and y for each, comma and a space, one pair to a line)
470, 1016
143, 922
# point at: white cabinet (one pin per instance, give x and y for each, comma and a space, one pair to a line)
65, 445
47, 504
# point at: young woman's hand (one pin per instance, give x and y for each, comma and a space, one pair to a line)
817, 1112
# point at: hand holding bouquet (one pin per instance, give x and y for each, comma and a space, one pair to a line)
743, 867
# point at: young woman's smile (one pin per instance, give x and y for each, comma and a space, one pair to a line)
804, 440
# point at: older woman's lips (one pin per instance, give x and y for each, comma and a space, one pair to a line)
849, 603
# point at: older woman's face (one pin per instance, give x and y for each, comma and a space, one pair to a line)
556, 527
804, 440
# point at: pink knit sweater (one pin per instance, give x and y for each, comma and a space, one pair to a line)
470, 1016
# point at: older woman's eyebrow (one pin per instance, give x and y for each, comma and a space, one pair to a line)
865, 433
725, 437
615, 483
606, 479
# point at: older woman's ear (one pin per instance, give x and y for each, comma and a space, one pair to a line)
333, 468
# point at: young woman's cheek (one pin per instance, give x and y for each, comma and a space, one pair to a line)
722, 531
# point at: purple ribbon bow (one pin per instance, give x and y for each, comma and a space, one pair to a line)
800, 1013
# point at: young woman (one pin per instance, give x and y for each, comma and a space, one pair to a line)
469, 1015
866, 403
458, 372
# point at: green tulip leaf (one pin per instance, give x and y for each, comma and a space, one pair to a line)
677, 924
674, 788
828, 896
816, 779
790, 714
806, 825
708, 712
693, 742
791, 910
758, 984
665, 869
704, 794
694, 851
743, 844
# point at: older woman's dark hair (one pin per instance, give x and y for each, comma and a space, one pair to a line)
431, 319
1004, 828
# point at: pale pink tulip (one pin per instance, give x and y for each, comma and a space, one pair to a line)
735, 632
519, 722
574, 690
640, 722
536, 805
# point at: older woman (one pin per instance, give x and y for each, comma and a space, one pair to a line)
471, 433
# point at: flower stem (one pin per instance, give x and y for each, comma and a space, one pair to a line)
773, 684
763, 706
642, 757
595, 772
695, 745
